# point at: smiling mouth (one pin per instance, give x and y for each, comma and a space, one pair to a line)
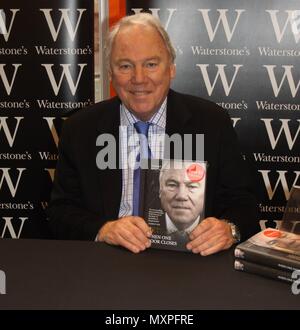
140, 93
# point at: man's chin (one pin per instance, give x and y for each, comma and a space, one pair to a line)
182, 219
142, 111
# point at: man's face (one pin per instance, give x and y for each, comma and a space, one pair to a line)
141, 69
181, 198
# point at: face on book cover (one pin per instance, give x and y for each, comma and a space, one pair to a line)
141, 69
289, 243
181, 198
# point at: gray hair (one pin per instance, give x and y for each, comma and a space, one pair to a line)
171, 164
145, 19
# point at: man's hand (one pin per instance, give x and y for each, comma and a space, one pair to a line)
210, 236
130, 232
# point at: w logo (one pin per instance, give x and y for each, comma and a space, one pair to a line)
64, 74
285, 128
281, 181
292, 20
296, 24
287, 75
220, 73
5, 27
53, 128
10, 137
65, 17
155, 13
51, 173
6, 176
222, 19
8, 84
9, 227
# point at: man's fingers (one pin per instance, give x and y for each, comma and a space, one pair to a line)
137, 232
217, 237
203, 242
129, 232
205, 236
212, 248
142, 225
204, 226
129, 245
135, 237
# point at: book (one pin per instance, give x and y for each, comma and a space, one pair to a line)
273, 248
173, 200
274, 273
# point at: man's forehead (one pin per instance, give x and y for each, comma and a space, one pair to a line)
180, 175
176, 174
136, 31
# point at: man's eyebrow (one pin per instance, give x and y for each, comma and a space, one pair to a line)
154, 58
192, 183
172, 180
123, 60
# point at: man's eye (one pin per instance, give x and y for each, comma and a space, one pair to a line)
193, 187
125, 67
151, 65
171, 185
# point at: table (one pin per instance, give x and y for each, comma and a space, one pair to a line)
51, 274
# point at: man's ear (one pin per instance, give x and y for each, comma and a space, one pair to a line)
172, 70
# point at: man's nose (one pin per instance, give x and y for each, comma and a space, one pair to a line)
139, 75
182, 193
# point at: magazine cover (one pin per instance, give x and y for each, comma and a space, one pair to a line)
173, 194
272, 247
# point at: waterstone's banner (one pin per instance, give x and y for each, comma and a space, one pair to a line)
46, 73
245, 56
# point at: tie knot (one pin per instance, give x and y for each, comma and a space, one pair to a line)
142, 127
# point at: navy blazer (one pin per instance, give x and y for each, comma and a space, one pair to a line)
84, 197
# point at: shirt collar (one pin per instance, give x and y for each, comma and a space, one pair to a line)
171, 228
158, 119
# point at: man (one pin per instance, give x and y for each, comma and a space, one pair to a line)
181, 194
89, 203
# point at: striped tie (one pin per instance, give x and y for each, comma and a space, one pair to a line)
142, 128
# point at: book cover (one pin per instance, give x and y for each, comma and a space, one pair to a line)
273, 248
173, 194
253, 268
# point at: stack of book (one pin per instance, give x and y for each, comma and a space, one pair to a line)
271, 253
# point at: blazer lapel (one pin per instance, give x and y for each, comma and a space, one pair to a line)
178, 114
178, 122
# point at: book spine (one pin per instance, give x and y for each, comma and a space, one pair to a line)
259, 257
253, 268
143, 179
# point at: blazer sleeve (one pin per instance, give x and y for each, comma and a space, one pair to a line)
68, 218
236, 199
